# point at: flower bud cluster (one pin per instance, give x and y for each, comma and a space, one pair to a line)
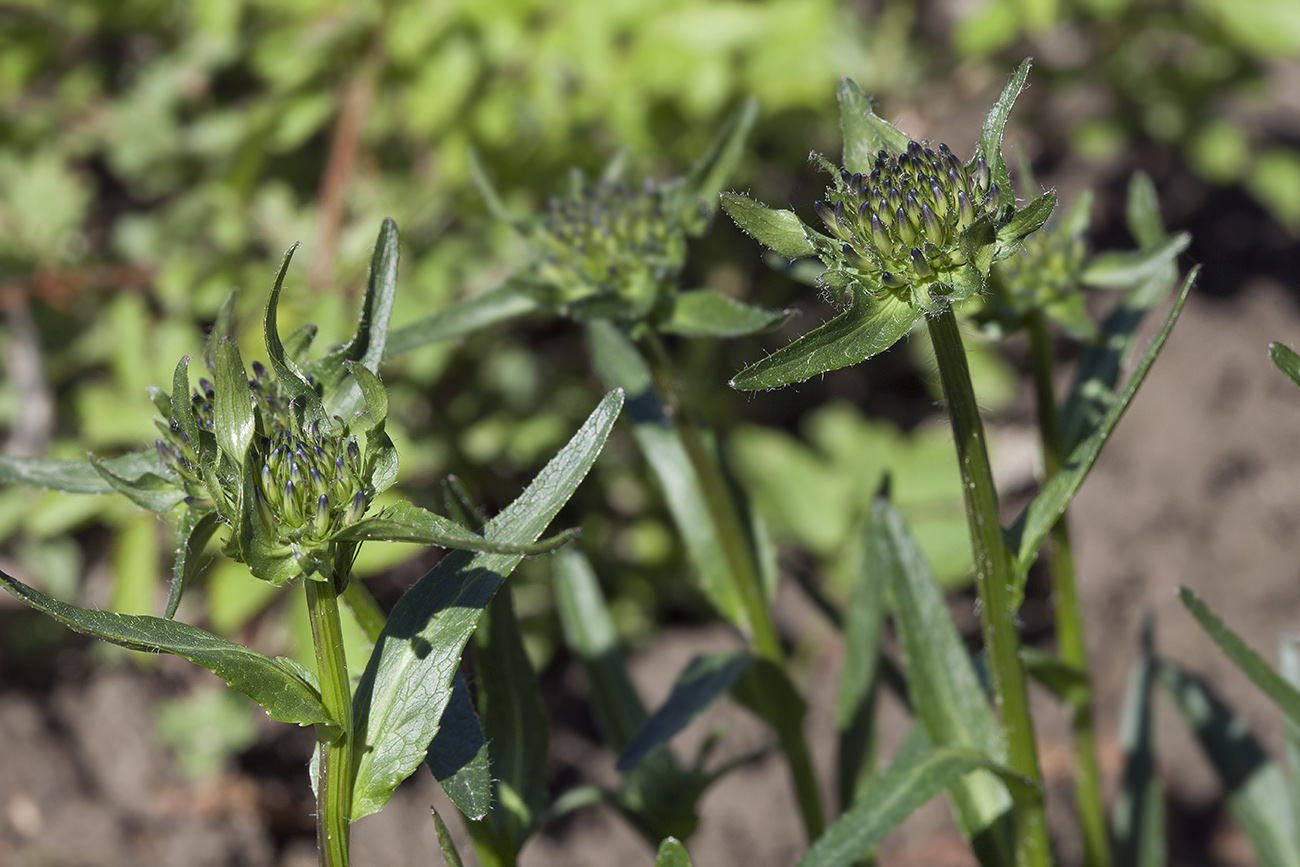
903, 220
1048, 266
310, 485
609, 239
175, 447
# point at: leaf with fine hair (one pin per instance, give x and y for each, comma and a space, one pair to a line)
918, 772
288, 374
192, 534
855, 704
233, 407
708, 174
404, 522
1029, 531
944, 689
991, 136
159, 492
445, 843
269, 682
458, 755
871, 325
780, 231
407, 681
864, 133
1254, 785
1025, 222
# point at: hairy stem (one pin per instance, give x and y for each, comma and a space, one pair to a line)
993, 581
738, 548
335, 773
1067, 608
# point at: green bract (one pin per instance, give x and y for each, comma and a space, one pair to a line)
911, 230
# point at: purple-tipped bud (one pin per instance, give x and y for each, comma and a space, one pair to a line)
295, 472
289, 504
259, 371
903, 226
930, 225
209, 390
855, 181
357, 510
844, 175
264, 510
827, 215
354, 455
940, 200
892, 280
839, 213
168, 457
322, 522
914, 148
880, 236
864, 211
919, 264
994, 193
339, 467
965, 210
268, 480
318, 483
981, 175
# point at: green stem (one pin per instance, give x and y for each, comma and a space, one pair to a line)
737, 546
1066, 607
335, 774
993, 581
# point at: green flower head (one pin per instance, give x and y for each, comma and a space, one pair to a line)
909, 230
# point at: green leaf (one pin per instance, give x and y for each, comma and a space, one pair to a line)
864, 628
368, 343
619, 365
445, 843
870, 326
374, 398
709, 174
1033, 525
706, 313
1283, 695
507, 301
1067, 682
1137, 819
781, 231
515, 726
80, 477
863, 132
1025, 222
672, 854
193, 533
407, 681
458, 754
1289, 663
918, 772
182, 414
945, 691
404, 522
707, 678
1255, 787
1119, 270
269, 682
222, 327
991, 137
289, 376
158, 492
1284, 359
233, 408
1142, 211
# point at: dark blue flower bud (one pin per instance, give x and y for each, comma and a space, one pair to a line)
880, 236
981, 175
892, 280
919, 264
965, 210
259, 370
289, 504
931, 225
322, 522
357, 510
906, 231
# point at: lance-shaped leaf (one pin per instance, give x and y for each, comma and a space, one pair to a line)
1255, 787
515, 726
1033, 525
944, 689
1024, 222
158, 492
918, 772
706, 313
79, 477
233, 407
407, 681
1283, 695
781, 231
863, 627
192, 535
182, 413
507, 301
404, 522
1285, 360
1137, 819
1120, 270
445, 843
368, 343
709, 174
289, 376
991, 136
864, 133
271, 683
871, 325
672, 854
458, 754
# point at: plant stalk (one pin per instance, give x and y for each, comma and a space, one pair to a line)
335, 774
993, 580
737, 546
1066, 607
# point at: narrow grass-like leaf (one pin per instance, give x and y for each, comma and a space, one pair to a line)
618, 364
707, 678
780, 231
706, 313
672, 854
458, 754
918, 772
445, 843
863, 132
1033, 525
507, 301
192, 535
1254, 785
515, 726
1137, 819
1285, 360
991, 136
404, 522
158, 492
1283, 695
407, 681
870, 326
944, 688
270, 683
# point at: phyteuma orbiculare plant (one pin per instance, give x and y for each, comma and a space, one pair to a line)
288, 463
